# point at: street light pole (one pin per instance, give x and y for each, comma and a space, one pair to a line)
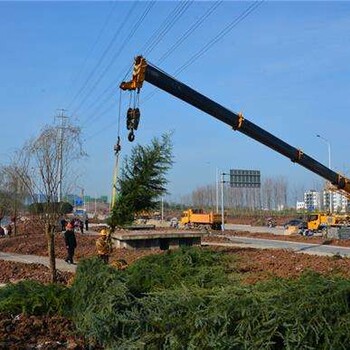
222, 203
329, 166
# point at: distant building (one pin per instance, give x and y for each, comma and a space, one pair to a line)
340, 203
103, 199
312, 200
300, 206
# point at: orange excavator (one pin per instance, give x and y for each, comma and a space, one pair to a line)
144, 71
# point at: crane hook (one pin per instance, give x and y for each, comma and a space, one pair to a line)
131, 136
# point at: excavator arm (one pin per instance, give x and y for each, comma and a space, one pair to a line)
143, 71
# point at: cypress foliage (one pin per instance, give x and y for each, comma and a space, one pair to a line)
192, 299
164, 302
34, 298
143, 180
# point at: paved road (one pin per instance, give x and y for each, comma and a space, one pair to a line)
309, 248
279, 230
30, 259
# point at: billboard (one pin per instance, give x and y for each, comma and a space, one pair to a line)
245, 178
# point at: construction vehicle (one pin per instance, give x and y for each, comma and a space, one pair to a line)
321, 221
144, 71
198, 218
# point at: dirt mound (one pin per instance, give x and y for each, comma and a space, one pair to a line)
256, 265
12, 272
34, 332
35, 244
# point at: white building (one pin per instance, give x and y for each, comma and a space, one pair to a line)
312, 200
339, 202
300, 205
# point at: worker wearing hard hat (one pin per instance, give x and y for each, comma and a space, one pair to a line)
104, 245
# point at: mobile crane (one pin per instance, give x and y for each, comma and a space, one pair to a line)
144, 71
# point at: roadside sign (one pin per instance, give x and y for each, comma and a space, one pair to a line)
245, 178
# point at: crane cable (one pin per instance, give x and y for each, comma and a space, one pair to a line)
107, 110
116, 54
237, 20
151, 43
117, 149
102, 56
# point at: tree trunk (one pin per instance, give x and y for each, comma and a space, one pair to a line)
50, 235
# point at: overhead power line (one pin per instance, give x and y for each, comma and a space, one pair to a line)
251, 8
178, 13
150, 44
220, 36
189, 31
76, 77
116, 55
211, 43
104, 54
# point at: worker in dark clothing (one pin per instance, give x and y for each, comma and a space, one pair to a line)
86, 223
63, 224
81, 226
71, 243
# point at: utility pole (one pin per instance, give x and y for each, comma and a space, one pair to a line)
329, 166
117, 149
217, 189
222, 203
222, 200
63, 125
162, 210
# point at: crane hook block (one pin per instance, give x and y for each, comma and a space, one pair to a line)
133, 118
137, 115
130, 118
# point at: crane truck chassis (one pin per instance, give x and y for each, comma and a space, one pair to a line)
144, 71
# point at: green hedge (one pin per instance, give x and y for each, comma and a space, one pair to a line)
34, 298
163, 302
192, 299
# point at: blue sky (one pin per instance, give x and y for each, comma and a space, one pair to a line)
286, 67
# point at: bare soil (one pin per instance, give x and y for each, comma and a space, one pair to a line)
290, 238
35, 244
12, 272
18, 332
257, 265
253, 265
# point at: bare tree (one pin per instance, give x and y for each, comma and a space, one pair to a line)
12, 194
38, 168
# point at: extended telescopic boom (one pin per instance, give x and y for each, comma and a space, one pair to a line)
143, 71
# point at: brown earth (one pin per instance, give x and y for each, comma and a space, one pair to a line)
290, 238
256, 265
39, 332
253, 265
12, 272
35, 244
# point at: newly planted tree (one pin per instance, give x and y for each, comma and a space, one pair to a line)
143, 180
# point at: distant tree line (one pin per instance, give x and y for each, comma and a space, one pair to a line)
273, 195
